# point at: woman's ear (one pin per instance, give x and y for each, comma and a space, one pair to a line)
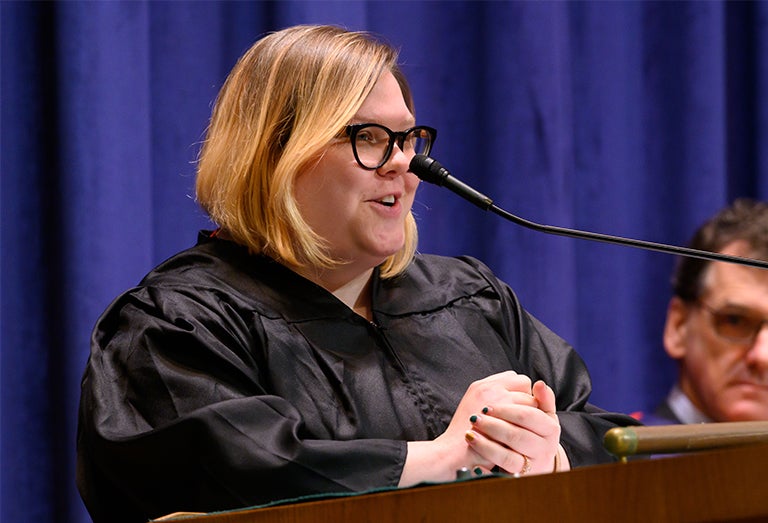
676, 327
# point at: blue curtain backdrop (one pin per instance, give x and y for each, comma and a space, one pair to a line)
636, 119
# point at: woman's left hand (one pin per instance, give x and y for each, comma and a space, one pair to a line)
518, 435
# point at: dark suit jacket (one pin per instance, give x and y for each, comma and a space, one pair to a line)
663, 415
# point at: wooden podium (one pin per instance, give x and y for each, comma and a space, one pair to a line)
718, 485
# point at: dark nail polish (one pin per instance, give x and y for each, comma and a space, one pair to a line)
485, 410
472, 418
478, 471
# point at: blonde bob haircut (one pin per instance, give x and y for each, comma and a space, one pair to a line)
285, 100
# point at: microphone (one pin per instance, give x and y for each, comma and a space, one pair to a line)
430, 170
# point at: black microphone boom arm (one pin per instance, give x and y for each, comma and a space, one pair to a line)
431, 171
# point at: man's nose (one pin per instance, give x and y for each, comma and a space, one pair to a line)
758, 352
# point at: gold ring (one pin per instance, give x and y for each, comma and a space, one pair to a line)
526, 466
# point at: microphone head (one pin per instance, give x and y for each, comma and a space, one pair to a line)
428, 169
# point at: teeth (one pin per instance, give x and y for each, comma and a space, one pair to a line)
388, 200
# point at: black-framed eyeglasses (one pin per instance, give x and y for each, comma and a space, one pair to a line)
372, 143
735, 326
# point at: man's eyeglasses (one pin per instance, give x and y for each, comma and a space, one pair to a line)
372, 143
739, 327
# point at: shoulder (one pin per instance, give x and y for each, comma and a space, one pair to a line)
462, 274
211, 261
197, 295
224, 267
430, 268
663, 415
212, 277
432, 281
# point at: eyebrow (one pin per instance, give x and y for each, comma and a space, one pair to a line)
739, 307
356, 120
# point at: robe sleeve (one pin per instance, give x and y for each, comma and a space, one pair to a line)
583, 425
174, 416
546, 356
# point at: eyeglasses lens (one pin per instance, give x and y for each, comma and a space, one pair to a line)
419, 141
374, 143
736, 326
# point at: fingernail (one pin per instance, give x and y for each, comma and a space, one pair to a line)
472, 418
478, 471
485, 410
469, 436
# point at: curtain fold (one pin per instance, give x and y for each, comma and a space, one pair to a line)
637, 119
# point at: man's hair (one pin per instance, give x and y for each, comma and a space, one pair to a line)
745, 220
285, 100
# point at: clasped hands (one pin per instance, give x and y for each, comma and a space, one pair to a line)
508, 424
503, 423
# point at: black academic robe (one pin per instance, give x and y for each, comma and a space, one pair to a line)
225, 380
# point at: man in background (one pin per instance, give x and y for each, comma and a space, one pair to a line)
717, 324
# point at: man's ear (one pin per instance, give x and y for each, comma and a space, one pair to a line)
676, 327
